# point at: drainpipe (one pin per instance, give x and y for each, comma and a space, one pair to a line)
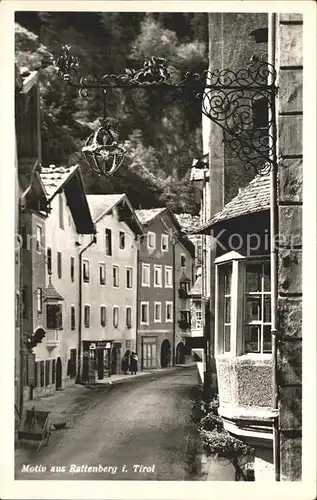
93, 240
174, 305
273, 249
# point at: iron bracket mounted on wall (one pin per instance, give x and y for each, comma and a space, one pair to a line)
231, 99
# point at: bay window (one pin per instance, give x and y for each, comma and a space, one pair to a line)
243, 305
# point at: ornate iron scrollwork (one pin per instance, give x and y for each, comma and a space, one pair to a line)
230, 99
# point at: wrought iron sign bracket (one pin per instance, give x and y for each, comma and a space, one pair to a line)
242, 103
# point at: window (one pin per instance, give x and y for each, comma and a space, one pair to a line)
145, 274
151, 240
244, 307
144, 313
102, 273
86, 271
72, 318
54, 316
122, 240
168, 312
38, 238
49, 260
115, 316
185, 317
47, 372
108, 242
198, 316
183, 260
72, 269
115, 276
257, 308
128, 316
61, 211
225, 275
87, 316
168, 277
164, 242
129, 275
157, 312
157, 275
59, 264
103, 316
39, 300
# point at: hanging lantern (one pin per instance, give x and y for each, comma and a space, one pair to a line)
103, 150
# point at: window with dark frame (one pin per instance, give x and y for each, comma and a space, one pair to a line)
59, 264
103, 316
115, 275
144, 312
86, 271
87, 316
183, 260
108, 236
121, 240
128, 316
225, 277
115, 316
72, 318
258, 308
129, 274
102, 273
72, 269
54, 316
49, 260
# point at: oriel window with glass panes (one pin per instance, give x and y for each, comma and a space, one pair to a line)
257, 330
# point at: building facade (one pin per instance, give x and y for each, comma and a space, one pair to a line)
109, 287
157, 287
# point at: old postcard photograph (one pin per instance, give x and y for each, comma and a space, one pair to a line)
159, 186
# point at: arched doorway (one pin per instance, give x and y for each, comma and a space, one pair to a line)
180, 353
165, 353
58, 382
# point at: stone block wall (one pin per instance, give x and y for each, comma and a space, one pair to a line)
290, 152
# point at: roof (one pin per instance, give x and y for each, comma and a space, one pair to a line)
147, 214
100, 204
188, 222
54, 178
255, 197
51, 293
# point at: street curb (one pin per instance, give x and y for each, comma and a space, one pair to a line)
159, 372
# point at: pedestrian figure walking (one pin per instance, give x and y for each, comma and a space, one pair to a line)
125, 362
133, 363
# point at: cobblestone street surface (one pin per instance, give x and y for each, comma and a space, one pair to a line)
137, 430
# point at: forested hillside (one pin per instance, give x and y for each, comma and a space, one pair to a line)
162, 135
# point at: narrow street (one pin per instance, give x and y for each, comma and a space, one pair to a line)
138, 430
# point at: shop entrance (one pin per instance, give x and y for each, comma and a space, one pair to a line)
165, 353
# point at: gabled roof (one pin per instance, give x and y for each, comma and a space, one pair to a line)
69, 179
101, 204
54, 178
146, 215
188, 222
255, 197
